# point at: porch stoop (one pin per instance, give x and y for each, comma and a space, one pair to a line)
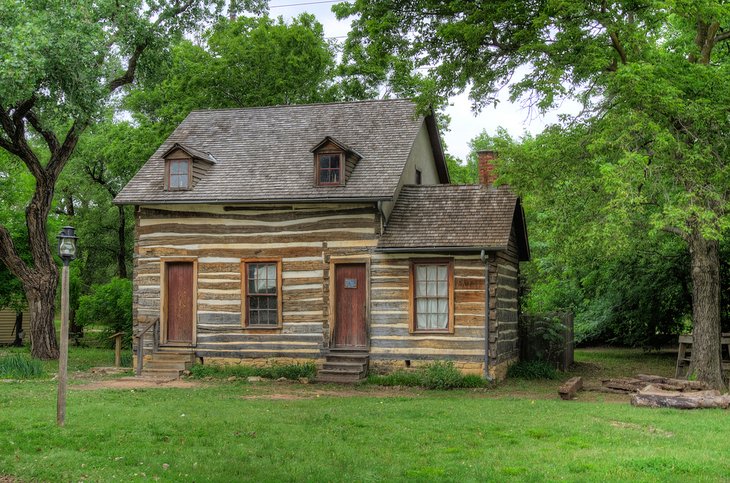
344, 365
168, 363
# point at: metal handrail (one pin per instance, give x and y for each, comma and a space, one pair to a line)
140, 343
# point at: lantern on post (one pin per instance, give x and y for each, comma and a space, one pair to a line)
67, 251
67, 244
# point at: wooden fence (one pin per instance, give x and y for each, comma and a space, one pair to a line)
547, 337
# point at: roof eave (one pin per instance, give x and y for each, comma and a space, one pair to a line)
475, 249
255, 201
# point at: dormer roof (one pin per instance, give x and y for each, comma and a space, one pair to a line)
191, 151
330, 140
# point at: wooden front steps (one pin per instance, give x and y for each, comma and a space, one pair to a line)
168, 363
344, 365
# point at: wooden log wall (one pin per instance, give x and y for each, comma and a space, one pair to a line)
390, 338
507, 306
303, 236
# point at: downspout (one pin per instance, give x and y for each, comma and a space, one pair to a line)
382, 216
485, 261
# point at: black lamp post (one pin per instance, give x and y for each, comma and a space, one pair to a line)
67, 252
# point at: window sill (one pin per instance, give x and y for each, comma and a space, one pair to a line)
273, 328
431, 331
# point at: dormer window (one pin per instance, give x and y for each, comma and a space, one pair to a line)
333, 162
179, 174
329, 168
185, 166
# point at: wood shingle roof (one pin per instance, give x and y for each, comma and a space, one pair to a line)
458, 217
263, 154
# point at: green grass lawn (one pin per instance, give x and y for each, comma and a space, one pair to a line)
271, 431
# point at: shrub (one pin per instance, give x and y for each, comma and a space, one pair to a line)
17, 366
275, 371
108, 305
532, 370
442, 375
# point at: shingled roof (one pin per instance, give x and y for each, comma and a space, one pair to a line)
263, 154
462, 217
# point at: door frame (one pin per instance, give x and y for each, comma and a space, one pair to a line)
334, 261
163, 300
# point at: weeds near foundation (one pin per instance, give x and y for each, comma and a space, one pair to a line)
437, 375
275, 371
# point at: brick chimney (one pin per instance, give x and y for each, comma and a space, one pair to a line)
487, 170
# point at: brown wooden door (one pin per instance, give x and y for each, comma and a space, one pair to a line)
179, 299
350, 305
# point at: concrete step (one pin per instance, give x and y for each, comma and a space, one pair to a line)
170, 365
338, 376
170, 355
342, 365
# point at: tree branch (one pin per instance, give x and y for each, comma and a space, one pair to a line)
128, 76
58, 161
9, 256
676, 231
618, 47
723, 36
49, 136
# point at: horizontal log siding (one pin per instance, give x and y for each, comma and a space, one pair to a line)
304, 236
389, 328
507, 304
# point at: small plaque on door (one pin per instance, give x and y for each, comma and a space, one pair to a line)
350, 283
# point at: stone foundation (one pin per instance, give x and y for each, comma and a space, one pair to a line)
260, 361
499, 372
387, 366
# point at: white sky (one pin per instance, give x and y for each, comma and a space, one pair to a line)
465, 124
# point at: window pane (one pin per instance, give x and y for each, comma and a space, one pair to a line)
421, 306
442, 289
253, 302
431, 272
421, 273
420, 289
443, 306
253, 317
422, 321
442, 321
431, 288
178, 181
441, 273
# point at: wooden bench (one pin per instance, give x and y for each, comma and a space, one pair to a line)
684, 354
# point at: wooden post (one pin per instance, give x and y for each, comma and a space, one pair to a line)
118, 350
63, 355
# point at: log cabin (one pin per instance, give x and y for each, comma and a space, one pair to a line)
326, 233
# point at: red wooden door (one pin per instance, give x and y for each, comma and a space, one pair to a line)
179, 298
350, 305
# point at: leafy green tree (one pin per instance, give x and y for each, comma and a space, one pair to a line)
62, 64
109, 305
241, 63
653, 78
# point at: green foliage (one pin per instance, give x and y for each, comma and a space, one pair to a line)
250, 61
532, 370
108, 305
19, 366
436, 375
274, 371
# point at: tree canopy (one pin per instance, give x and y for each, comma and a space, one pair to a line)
648, 151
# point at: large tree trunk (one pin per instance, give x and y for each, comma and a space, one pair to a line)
706, 356
41, 303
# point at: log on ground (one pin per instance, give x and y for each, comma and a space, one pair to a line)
570, 388
654, 397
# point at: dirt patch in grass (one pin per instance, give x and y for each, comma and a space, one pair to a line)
126, 383
301, 393
638, 427
7, 479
